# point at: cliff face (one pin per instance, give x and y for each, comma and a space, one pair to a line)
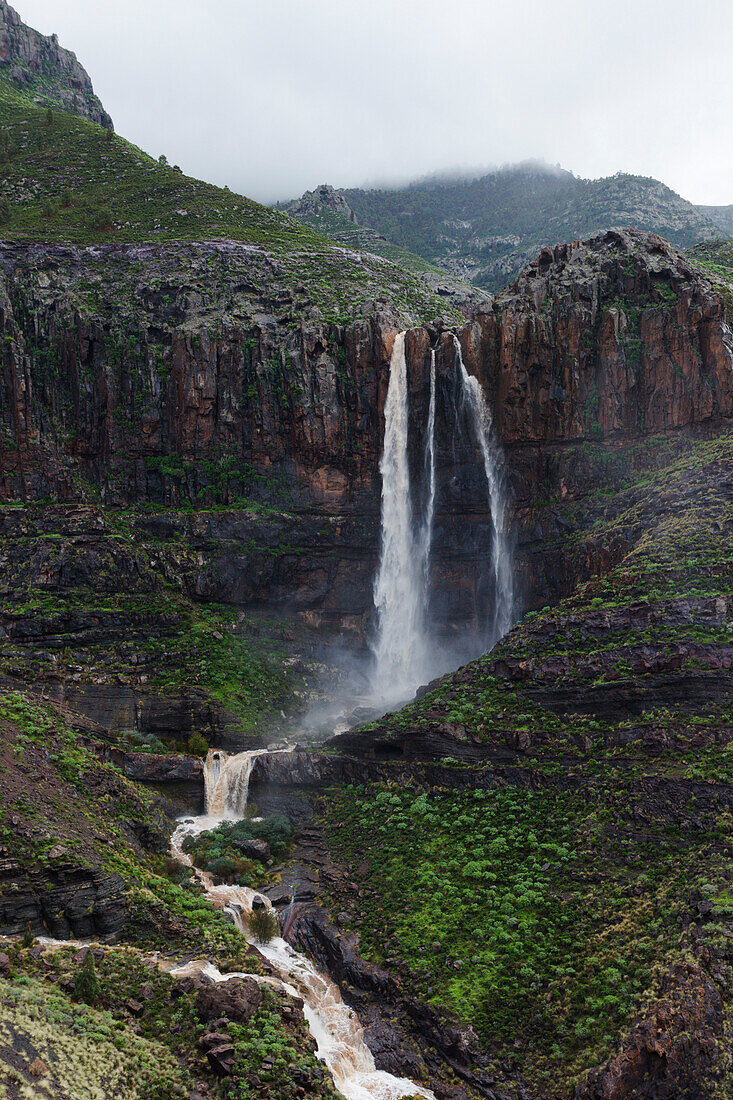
37, 64
165, 378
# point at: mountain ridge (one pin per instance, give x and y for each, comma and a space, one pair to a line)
485, 229
36, 64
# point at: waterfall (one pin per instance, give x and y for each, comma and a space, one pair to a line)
404, 656
226, 783
494, 470
426, 535
400, 648
335, 1026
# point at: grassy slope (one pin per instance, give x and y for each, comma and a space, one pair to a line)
545, 909
137, 1040
337, 227
716, 259
67, 181
150, 635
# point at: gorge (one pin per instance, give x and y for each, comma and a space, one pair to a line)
366, 644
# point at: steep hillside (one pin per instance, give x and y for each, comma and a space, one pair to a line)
39, 66
484, 230
84, 856
538, 849
722, 216
327, 211
65, 179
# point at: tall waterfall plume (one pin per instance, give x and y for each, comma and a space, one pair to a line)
401, 649
426, 534
503, 616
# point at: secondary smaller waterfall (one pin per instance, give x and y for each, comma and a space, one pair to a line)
493, 468
334, 1025
226, 783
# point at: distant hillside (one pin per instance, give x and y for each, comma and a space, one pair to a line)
37, 65
722, 216
327, 211
485, 230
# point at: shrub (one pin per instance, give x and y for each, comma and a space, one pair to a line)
197, 745
103, 219
28, 938
263, 925
223, 867
67, 198
86, 982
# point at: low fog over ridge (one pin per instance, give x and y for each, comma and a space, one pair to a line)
270, 99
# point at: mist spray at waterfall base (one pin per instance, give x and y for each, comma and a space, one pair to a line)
333, 1024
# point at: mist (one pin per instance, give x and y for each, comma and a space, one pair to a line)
273, 99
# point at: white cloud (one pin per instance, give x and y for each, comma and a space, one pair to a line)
275, 96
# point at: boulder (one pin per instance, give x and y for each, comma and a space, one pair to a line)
235, 999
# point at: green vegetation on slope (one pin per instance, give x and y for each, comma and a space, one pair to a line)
68, 180
140, 1039
55, 789
540, 881
716, 258
536, 916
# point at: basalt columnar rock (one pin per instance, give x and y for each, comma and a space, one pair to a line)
224, 438
39, 66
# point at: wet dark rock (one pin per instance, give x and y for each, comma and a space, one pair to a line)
671, 1049
236, 999
221, 1059
253, 849
64, 901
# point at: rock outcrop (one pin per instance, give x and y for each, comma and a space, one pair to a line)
38, 65
245, 430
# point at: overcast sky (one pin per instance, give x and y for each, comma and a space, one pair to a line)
273, 97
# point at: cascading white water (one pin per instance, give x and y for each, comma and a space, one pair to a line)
335, 1027
493, 468
426, 534
400, 649
226, 783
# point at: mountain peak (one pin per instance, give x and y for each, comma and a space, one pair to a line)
40, 67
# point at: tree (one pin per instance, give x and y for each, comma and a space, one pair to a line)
86, 982
263, 925
197, 744
49, 117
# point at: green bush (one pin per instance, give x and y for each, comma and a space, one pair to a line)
223, 867
103, 219
263, 925
197, 745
